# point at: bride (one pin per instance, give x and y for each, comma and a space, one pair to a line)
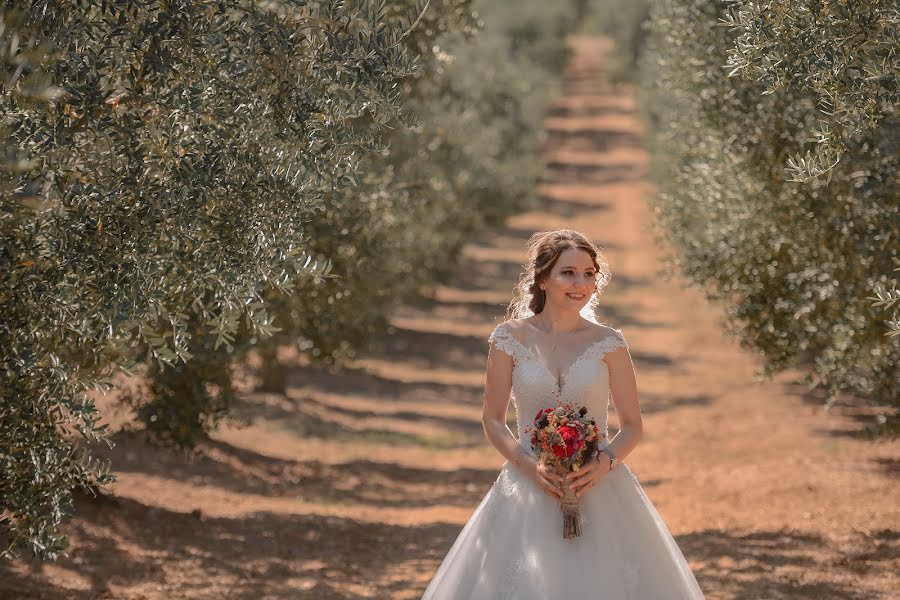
553, 347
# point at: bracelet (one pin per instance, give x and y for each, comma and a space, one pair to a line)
519, 451
610, 454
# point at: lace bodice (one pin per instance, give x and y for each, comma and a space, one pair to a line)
584, 381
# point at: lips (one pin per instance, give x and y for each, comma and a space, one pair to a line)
576, 296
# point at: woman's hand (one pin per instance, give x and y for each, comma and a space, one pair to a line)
545, 478
589, 475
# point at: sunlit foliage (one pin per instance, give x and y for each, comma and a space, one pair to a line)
161, 163
776, 162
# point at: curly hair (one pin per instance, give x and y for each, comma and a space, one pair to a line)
544, 249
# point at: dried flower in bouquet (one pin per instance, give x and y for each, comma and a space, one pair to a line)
565, 438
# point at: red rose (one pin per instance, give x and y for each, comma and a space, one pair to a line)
572, 441
540, 412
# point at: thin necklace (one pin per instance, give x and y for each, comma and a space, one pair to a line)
556, 336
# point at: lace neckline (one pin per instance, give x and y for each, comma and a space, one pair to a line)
563, 378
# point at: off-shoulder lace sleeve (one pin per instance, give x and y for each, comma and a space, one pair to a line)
504, 340
607, 344
618, 340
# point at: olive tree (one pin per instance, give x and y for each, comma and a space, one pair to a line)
776, 160
162, 161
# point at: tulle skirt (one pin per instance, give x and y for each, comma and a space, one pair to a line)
512, 547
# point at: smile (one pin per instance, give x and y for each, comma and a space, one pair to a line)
575, 296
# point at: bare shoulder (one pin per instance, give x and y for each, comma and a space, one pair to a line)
603, 331
515, 326
508, 331
518, 323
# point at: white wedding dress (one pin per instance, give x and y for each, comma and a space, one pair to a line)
512, 547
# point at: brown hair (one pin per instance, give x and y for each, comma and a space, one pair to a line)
544, 249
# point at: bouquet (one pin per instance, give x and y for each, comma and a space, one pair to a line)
565, 438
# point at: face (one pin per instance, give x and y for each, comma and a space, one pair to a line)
571, 281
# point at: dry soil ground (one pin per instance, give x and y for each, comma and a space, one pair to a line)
355, 484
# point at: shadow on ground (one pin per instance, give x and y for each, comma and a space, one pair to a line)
775, 564
254, 556
242, 471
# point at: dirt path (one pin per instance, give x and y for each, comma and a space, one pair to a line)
356, 484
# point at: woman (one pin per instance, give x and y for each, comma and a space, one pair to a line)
552, 347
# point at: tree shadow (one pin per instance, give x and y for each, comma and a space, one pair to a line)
431, 349
497, 240
568, 172
316, 557
489, 271
570, 207
358, 381
654, 403
648, 359
780, 564
524, 232
562, 111
861, 412
306, 423
889, 466
627, 281
468, 428
35, 584
244, 471
464, 311
590, 139
585, 85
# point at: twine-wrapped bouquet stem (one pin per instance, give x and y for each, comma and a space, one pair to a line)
569, 505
